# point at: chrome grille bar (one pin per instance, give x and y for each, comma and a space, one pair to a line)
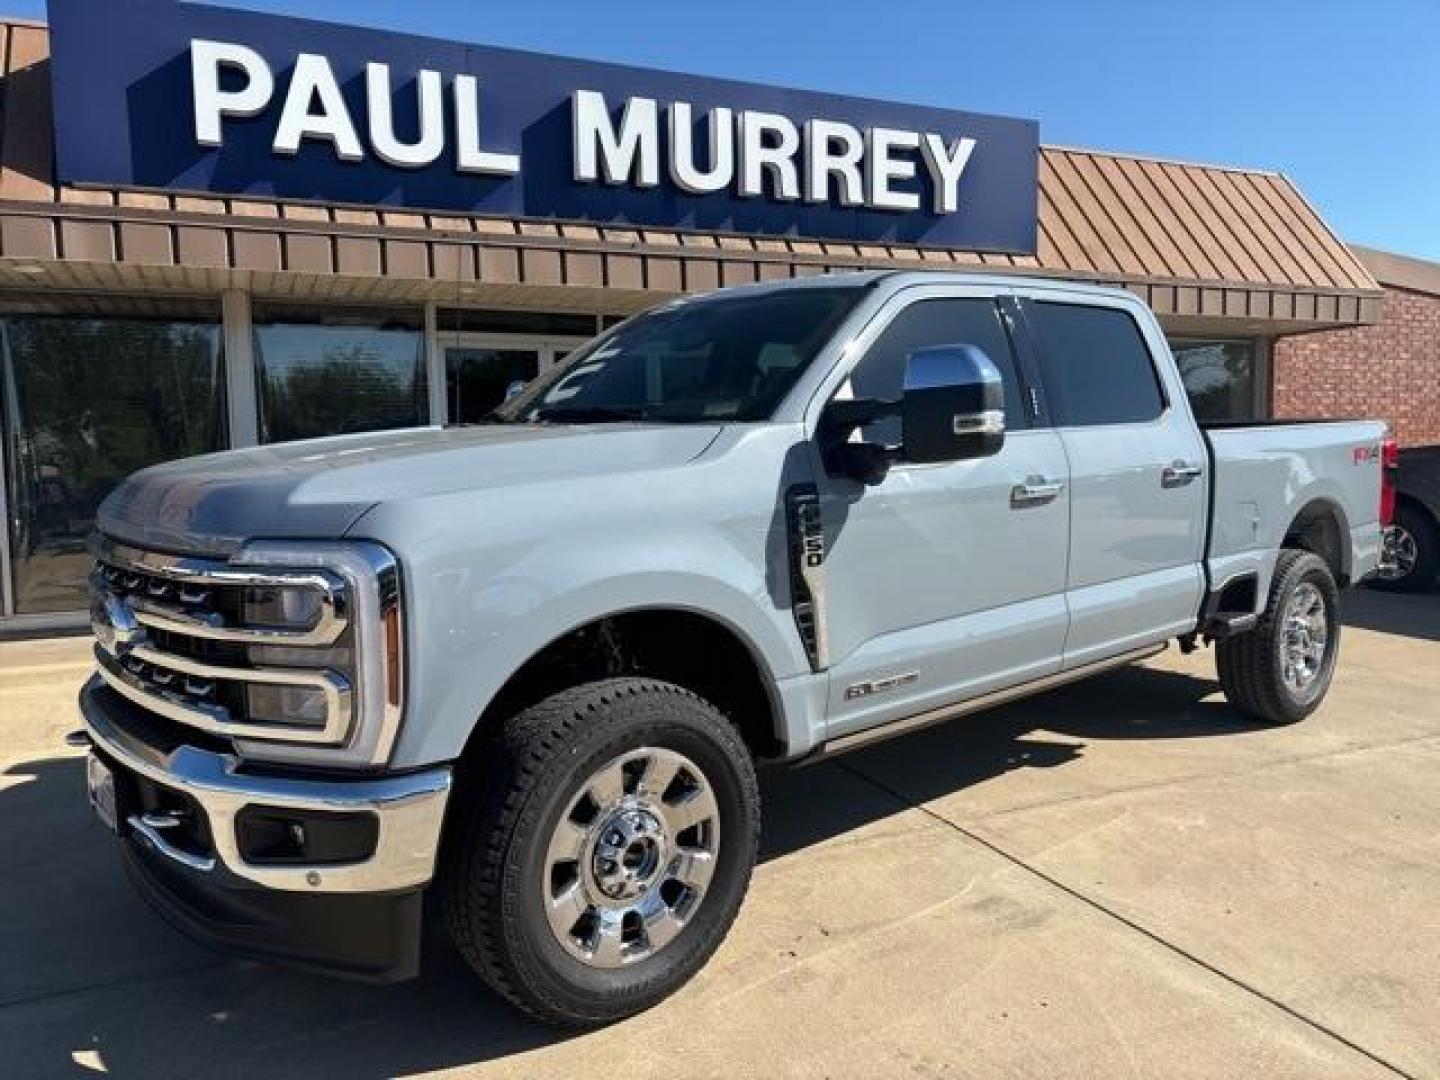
148, 579
153, 693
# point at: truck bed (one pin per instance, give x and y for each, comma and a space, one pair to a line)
1272, 478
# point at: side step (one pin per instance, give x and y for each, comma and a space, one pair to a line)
904, 726
1227, 625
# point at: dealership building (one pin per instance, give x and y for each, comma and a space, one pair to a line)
194, 257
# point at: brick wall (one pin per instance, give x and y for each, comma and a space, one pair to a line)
1389, 371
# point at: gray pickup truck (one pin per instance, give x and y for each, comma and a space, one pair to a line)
531, 664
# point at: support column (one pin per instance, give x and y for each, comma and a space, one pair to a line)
240, 395
7, 394
434, 365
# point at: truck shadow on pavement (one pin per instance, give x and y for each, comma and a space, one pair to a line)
1414, 615
91, 979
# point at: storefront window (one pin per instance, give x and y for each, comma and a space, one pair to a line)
477, 379
87, 401
328, 372
1221, 378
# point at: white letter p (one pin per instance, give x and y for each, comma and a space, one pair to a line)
213, 104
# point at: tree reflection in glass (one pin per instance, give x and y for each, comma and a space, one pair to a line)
339, 375
87, 401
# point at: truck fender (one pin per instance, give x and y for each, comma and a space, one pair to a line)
464, 672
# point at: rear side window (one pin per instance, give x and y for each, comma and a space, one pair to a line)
881, 374
1096, 366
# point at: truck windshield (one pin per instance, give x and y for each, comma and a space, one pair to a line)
722, 358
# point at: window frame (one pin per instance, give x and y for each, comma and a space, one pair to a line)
1027, 304
858, 344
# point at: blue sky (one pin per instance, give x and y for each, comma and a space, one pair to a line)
1344, 97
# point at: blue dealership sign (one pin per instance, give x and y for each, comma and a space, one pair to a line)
159, 94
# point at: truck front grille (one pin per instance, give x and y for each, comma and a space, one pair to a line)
192, 640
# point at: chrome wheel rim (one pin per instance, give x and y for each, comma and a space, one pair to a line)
1306, 636
631, 858
1401, 553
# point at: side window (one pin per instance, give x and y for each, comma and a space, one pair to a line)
1096, 366
881, 374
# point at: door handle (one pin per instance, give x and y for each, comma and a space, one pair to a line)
1035, 491
1179, 473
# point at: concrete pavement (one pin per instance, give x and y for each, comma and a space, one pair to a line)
1119, 878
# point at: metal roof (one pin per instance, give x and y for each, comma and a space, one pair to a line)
1108, 213
1400, 271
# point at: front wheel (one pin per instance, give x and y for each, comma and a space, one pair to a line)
602, 849
1280, 670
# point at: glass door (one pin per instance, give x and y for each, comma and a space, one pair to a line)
480, 369
84, 402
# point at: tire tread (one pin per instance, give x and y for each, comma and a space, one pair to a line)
1248, 663
481, 840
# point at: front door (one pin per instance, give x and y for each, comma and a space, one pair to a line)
944, 581
480, 369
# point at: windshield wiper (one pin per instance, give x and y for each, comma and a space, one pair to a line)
591, 414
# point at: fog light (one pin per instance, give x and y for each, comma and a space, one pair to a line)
277, 836
296, 706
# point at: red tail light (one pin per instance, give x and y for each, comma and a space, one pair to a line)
1389, 466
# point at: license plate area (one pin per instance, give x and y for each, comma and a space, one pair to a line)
104, 793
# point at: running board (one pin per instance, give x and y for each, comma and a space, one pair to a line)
855, 740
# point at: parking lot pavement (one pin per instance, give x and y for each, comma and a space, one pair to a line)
1122, 877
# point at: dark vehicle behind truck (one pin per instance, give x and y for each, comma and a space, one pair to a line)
1412, 540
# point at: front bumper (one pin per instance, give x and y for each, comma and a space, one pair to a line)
359, 917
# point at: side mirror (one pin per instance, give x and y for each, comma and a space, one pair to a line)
514, 390
953, 408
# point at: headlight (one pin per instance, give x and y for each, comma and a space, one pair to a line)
368, 655
296, 706
287, 608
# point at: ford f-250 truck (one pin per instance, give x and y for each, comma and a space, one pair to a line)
531, 664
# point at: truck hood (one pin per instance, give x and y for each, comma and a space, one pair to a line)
320, 487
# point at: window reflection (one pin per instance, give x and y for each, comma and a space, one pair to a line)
329, 372
1220, 378
477, 379
87, 401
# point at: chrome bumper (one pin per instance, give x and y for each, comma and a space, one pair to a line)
409, 809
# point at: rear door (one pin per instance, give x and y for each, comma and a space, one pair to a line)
1138, 484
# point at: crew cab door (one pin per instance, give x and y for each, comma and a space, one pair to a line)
942, 581
1138, 483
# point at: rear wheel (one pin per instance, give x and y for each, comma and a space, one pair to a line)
602, 852
1280, 670
1413, 543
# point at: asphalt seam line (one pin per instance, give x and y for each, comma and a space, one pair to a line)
1111, 913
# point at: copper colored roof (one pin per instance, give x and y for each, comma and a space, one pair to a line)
1197, 241
1400, 271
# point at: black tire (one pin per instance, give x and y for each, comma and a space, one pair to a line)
1251, 665
509, 806
1425, 534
